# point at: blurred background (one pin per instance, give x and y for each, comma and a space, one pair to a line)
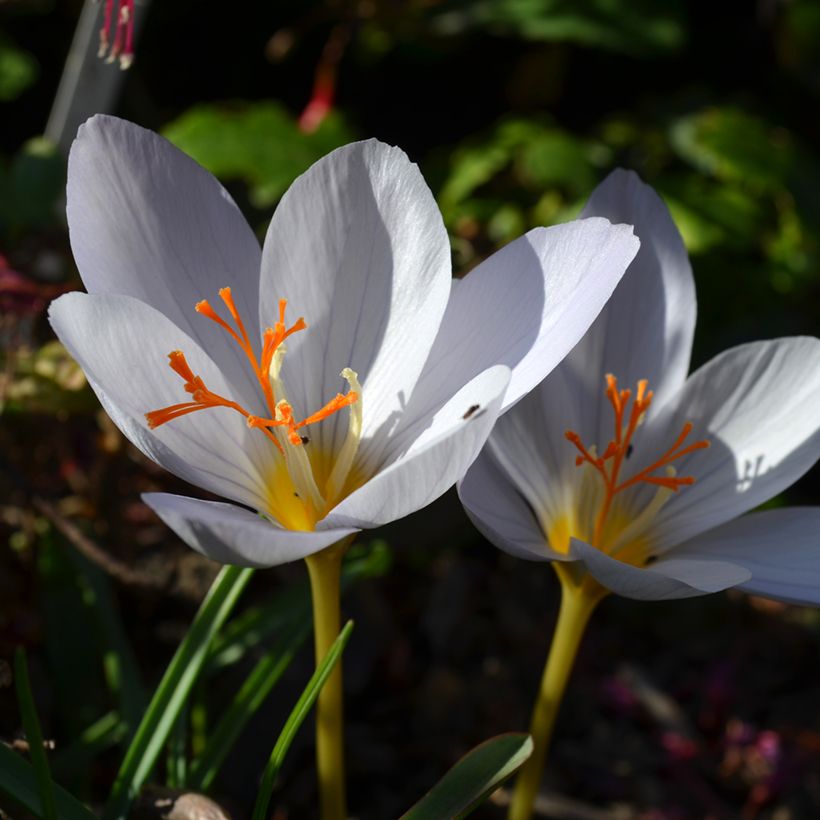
515, 110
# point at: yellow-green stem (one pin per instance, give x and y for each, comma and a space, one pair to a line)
325, 569
577, 603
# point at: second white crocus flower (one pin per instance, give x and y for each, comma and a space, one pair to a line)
630, 477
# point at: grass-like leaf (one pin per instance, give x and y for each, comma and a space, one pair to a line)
174, 688
248, 699
31, 724
294, 721
19, 782
474, 778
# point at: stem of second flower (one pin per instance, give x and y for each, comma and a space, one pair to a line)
325, 569
577, 604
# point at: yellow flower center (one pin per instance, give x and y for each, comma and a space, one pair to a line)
620, 530
303, 487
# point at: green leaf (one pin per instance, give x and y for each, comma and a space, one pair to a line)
474, 778
19, 782
248, 699
174, 688
31, 725
732, 145
259, 143
295, 720
18, 70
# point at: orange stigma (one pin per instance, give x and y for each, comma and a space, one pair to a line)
281, 413
619, 448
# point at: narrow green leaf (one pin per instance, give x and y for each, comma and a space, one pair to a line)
174, 688
31, 724
251, 696
474, 778
294, 721
19, 782
76, 757
177, 759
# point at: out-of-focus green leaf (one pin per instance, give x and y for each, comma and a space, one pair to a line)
75, 758
259, 143
32, 186
642, 26
735, 146
474, 778
18, 70
31, 724
18, 782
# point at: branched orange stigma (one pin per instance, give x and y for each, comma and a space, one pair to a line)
281, 413
609, 464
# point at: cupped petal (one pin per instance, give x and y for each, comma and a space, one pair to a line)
780, 548
233, 535
122, 344
500, 512
757, 405
147, 221
645, 330
358, 247
525, 307
433, 463
665, 579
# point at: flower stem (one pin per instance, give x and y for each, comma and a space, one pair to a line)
325, 569
577, 604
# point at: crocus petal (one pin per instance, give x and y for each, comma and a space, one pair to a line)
645, 331
358, 247
146, 221
122, 344
780, 548
433, 463
757, 404
665, 579
232, 535
525, 307
500, 512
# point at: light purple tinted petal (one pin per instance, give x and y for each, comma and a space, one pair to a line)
665, 579
232, 535
645, 330
525, 307
757, 405
122, 345
780, 548
146, 221
434, 461
358, 247
500, 512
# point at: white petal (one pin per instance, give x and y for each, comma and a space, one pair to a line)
122, 345
358, 247
525, 307
500, 512
757, 404
645, 331
780, 548
666, 578
232, 535
434, 462
146, 221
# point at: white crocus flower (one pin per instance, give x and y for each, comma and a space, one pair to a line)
631, 477
366, 407
635, 474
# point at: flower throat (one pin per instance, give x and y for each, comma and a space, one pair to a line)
281, 426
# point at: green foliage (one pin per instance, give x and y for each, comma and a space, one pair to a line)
258, 143
474, 778
643, 27
18, 71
